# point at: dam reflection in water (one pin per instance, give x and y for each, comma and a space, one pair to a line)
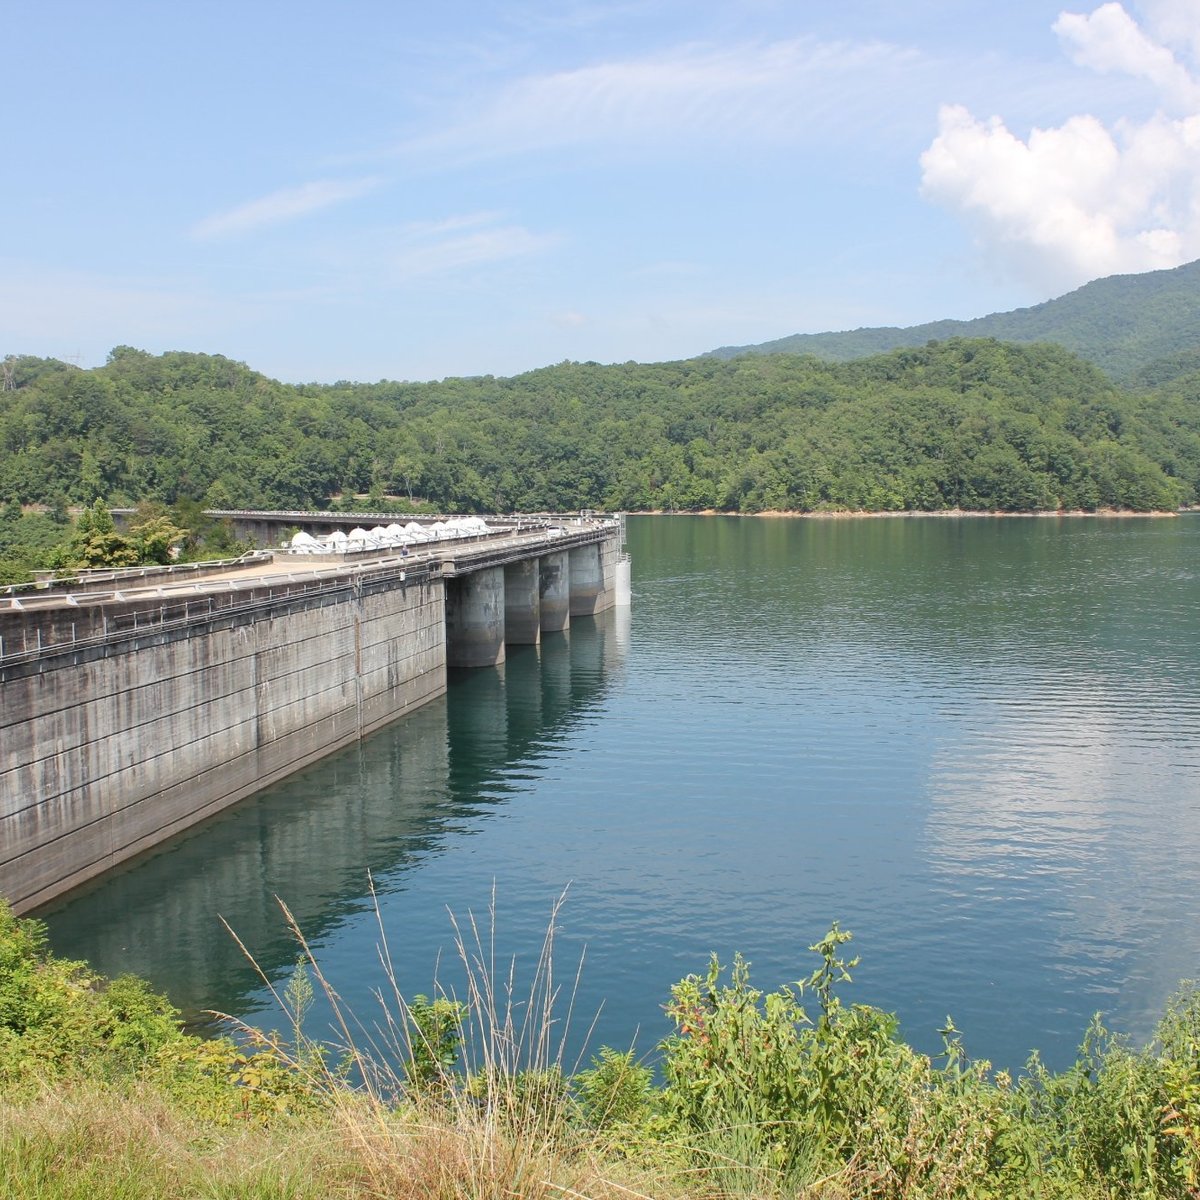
317, 839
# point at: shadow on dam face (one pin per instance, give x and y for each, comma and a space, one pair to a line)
377, 809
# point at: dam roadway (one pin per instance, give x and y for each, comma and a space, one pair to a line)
136, 703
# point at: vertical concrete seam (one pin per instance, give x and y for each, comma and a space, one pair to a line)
358, 682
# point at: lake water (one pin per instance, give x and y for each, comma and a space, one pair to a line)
973, 742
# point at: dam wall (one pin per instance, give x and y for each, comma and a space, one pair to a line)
113, 746
130, 714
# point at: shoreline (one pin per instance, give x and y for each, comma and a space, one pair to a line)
868, 514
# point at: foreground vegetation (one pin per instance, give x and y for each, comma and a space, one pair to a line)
791, 1093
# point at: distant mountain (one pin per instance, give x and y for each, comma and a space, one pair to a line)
1135, 328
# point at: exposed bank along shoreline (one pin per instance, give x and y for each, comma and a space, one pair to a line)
857, 514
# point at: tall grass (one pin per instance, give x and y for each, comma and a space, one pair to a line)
80, 1141
465, 1094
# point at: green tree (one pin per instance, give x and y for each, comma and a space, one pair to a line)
96, 542
157, 540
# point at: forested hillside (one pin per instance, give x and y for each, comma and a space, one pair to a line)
970, 424
1131, 326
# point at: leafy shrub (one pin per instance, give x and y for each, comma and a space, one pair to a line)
799, 1096
617, 1090
56, 1014
434, 1037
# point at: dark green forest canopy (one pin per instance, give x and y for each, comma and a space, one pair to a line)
978, 425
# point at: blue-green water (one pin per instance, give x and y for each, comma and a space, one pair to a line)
973, 742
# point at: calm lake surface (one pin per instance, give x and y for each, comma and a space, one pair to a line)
973, 742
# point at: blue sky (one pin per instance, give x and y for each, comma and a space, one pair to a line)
391, 190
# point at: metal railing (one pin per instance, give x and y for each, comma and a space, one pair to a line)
217, 598
85, 577
235, 597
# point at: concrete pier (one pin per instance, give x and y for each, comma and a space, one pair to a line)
475, 619
522, 603
588, 595
554, 584
623, 582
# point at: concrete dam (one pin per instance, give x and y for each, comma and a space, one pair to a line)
136, 703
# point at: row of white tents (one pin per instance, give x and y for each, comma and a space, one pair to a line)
388, 537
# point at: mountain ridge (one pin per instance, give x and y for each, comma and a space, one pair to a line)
1129, 326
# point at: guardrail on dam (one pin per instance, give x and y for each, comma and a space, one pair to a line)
136, 705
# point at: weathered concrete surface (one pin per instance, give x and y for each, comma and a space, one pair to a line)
110, 749
610, 558
554, 586
475, 619
623, 582
593, 577
522, 603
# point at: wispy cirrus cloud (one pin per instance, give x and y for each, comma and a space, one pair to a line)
782, 91
454, 243
1085, 199
287, 204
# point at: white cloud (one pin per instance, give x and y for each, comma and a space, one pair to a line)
1110, 40
1175, 22
284, 205
1082, 200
